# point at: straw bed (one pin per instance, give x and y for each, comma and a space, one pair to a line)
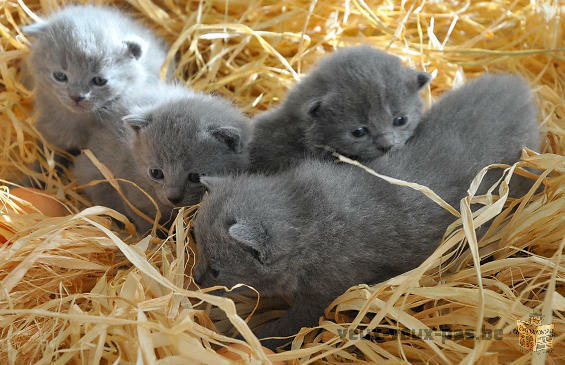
78, 289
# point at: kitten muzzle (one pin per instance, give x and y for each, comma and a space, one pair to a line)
77, 98
385, 142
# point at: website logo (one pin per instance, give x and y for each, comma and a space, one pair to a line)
533, 335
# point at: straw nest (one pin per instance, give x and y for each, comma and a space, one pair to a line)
77, 289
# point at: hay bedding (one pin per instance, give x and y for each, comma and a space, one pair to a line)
77, 289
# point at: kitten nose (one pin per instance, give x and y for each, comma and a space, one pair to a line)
77, 97
385, 149
175, 194
385, 142
175, 199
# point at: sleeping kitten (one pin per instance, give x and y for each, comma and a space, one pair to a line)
360, 102
313, 231
84, 59
165, 149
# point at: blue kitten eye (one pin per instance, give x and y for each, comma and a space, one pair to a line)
60, 76
156, 174
194, 177
400, 121
99, 81
359, 132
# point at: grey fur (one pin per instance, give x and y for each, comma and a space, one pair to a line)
178, 134
488, 120
315, 230
355, 87
83, 42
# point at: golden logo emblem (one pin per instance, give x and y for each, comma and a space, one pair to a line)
534, 336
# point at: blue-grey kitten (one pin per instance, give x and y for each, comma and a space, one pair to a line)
360, 102
84, 59
461, 131
165, 149
315, 230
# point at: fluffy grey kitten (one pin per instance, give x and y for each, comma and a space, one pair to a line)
84, 60
165, 149
485, 121
315, 230
360, 102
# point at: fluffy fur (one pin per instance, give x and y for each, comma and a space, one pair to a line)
165, 149
315, 230
488, 120
84, 59
359, 101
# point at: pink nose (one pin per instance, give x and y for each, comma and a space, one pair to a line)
77, 98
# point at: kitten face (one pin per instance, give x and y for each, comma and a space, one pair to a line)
360, 102
84, 68
235, 238
175, 178
363, 128
180, 141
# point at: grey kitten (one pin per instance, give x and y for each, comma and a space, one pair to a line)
485, 121
165, 150
360, 102
84, 59
313, 231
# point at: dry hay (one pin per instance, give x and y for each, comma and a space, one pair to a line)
77, 289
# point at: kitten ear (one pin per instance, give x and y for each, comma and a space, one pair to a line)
230, 136
314, 107
210, 182
135, 48
252, 239
422, 79
35, 29
137, 121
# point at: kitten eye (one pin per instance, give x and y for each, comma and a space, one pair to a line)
194, 177
359, 132
156, 174
214, 272
400, 121
99, 81
60, 76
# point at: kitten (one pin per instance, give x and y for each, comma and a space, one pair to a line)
165, 149
485, 121
360, 102
84, 59
310, 233
313, 231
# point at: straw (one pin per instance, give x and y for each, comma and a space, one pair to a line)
79, 289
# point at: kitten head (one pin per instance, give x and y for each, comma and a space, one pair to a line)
240, 233
183, 139
83, 60
360, 102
